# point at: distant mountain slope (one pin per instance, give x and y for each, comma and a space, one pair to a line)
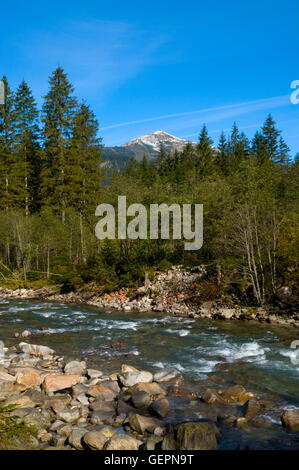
148, 144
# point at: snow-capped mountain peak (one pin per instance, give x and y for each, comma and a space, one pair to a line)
155, 139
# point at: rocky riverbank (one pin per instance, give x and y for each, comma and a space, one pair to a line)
71, 406
174, 292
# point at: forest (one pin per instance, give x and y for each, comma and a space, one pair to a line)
52, 180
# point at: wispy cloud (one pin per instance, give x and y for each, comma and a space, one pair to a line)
99, 55
212, 114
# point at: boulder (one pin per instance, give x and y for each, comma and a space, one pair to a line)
191, 436
37, 419
75, 438
101, 405
290, 420
129, 379
160, 407
36, 350
53, 383
122, 442
75, 368
21, 401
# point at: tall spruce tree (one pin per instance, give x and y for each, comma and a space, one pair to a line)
7, 132
205, 153
58, 119
26, 147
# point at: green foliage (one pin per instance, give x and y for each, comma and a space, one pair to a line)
51, 182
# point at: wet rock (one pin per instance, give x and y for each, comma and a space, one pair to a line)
251, 408
242, 423
168, 376
290, 420
141, 399
129, 379
236, 394
96, 440
122, 442
69, 416
75, 368
210, 396
54, 383
101, 392
141, 423
160, 407
75, 438
191, 436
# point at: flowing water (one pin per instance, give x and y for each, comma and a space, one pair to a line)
207, 352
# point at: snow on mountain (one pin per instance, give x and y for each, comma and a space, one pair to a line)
155, 139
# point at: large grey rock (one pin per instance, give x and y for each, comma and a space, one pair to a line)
191, 436
128, 379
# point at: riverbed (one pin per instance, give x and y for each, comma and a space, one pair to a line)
206, 352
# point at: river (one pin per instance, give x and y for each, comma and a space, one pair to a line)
217, 353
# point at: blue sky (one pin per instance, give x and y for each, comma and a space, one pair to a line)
167, 65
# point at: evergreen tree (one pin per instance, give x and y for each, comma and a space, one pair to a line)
204, 153
58, 118
7, 131
222, 154
26, 146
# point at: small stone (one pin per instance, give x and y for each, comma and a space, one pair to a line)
128, 379
168, 376
141, 423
